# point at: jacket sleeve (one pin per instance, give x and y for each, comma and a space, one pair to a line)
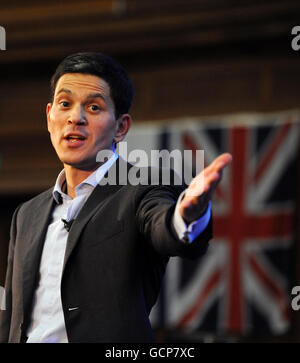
5, 315
155, 207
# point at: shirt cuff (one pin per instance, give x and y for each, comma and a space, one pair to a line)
188, 234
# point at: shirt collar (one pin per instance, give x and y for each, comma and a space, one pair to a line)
91, 181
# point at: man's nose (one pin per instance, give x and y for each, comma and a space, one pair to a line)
77, 116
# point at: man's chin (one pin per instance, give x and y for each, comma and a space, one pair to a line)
81, 165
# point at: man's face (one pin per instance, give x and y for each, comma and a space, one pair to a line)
81, 120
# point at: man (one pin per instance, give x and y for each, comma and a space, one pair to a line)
86, 260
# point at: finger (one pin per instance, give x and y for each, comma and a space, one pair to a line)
209, 173
198, 188
213, 177
223, 160
220, 162
202, 182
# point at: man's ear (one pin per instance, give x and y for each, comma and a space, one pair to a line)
48, 109
123, 125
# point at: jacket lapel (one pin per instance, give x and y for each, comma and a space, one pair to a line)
34, 237
95, 201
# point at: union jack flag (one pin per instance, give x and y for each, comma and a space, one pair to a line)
243, 284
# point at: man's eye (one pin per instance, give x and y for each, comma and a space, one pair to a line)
65, 104
94, 108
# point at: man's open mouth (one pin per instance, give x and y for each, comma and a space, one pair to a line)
74, 137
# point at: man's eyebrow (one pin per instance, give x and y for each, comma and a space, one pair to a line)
96, 95
91, 95
64, 90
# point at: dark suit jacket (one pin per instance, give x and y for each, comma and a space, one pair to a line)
116, 255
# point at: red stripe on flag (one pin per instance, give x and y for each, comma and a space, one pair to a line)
264, 226
240, 138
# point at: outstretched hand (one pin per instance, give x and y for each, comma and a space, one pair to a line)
202, 188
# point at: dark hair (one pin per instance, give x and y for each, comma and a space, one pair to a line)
101, 65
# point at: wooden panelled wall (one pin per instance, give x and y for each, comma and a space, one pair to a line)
185, 57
